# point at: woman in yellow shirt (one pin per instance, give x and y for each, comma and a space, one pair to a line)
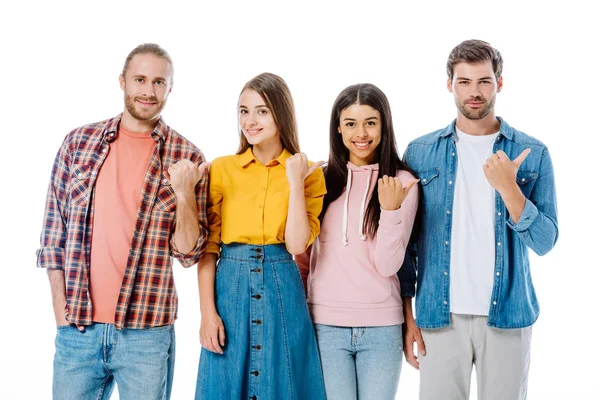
264, 204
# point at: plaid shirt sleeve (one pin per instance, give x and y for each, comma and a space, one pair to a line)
192, 258
51, 254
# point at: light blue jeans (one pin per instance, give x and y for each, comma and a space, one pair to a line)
360, 363
87, 364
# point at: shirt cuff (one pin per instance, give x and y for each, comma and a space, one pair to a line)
191, 258
529, 214
212, 247
390, 217
51, 258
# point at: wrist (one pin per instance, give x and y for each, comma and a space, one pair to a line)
184, 193
511, 193
296, 187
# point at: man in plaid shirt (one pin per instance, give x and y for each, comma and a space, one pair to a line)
125, 196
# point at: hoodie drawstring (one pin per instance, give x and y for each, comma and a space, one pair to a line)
363, 205
345, 221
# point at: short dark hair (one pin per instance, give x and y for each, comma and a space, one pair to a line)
474, 51
147, 48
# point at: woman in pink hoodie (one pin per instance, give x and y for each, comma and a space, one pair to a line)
350, 271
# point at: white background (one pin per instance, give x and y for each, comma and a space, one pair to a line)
59, 68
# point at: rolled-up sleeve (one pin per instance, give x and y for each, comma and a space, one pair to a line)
51, 254
314, 191
537, 226
193, 256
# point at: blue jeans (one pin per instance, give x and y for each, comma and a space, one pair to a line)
88, 364
360, 363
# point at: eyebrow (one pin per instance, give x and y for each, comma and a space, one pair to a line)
352, 119
145, 77
259, 106
459, 78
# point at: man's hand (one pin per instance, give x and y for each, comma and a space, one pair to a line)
501, 172
184, 175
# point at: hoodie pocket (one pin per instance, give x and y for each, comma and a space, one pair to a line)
347, 276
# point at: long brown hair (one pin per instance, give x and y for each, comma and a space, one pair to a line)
278, 98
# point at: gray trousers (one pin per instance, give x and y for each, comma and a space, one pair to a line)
500, 356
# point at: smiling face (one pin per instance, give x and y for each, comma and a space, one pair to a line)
256, 119
474, 87
146, 84
360, 127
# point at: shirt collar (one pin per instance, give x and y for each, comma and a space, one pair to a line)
247, 157
160, 132
505, 129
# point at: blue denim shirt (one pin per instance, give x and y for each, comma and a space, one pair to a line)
513, 303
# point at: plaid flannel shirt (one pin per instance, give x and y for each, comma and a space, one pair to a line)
148, 297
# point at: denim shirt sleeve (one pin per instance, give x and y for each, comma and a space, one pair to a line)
538, 226
408, 272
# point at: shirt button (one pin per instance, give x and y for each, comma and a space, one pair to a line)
165, 181
258, 347
449, 182
424, 180
447, 243
523, 180
258, 297
452, 154
499, 213
104, 150
497, 273
253, 398
255, 373
445, 272
258, 322
258, 270
445, 302
494, 303
499, 243
80, 175
260, 206
448, 212
262, 188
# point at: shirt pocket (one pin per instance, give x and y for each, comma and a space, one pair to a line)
80, 185
526, 180
165, 198
429, 182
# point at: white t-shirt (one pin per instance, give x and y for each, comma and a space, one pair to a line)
472, 253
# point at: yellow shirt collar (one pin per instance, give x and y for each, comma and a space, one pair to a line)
247, 157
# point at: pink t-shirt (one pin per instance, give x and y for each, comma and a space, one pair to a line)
116, 200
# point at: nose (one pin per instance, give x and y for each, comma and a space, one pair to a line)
249, 119
361, 132
474, 91
148, 89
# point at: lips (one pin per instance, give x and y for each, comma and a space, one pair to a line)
145, 103
253, 132
362, 145
475, 104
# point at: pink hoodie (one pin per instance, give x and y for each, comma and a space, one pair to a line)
350, 279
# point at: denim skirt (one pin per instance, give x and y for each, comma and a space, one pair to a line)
271, 349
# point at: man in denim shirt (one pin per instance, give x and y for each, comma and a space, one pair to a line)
488, 197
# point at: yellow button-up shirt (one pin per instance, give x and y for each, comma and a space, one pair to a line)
248, 201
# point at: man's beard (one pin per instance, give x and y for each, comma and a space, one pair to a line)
476, 114
130, 105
